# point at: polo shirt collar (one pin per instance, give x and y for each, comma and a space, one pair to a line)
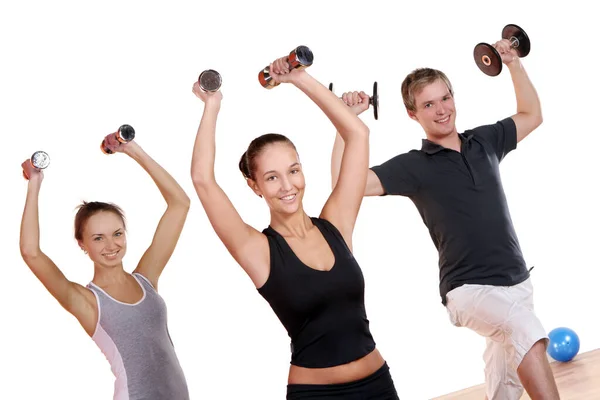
430, 147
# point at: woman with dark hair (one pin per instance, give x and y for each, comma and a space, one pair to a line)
303, 266
122, 312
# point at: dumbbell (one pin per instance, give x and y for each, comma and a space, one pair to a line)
39, 160
125, 134
373, 100
299, 58
210, 80
487, 57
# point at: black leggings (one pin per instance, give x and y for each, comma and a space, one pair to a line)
377, 386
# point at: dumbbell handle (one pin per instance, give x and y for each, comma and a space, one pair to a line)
373, 99
299, 58
331, 89
514, 42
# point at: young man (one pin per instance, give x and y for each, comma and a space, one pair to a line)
454, 181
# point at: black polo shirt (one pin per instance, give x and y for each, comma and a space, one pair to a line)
462, 203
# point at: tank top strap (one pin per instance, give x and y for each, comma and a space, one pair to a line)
96, 290
278, 247
145, 282
271, 233
332, 235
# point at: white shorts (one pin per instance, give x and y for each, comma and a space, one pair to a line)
504, 315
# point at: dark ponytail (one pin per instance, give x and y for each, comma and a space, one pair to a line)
244, 166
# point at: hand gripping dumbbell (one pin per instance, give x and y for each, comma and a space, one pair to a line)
210, 80
489, 60
299, 58
373, 100
39, 160
125, 134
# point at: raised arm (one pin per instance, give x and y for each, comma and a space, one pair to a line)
529, 109
342, 207
171, 223
74, 298
373, 186
247, 246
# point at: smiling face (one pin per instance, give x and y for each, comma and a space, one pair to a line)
278, 177
103, 238
435, 110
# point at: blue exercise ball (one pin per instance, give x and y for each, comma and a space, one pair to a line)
564, 344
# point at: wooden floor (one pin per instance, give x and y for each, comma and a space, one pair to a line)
576, 380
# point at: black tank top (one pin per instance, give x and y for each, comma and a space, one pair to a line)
322, 311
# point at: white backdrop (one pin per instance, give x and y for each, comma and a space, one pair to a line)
72, 73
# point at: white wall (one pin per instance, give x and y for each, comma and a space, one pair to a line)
72, 73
